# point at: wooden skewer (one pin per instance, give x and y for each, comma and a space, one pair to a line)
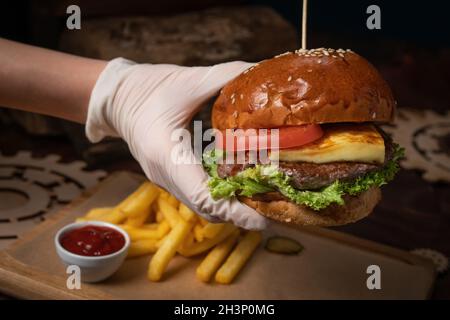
304, 20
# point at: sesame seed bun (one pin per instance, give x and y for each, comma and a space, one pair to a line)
354, 209
303, 87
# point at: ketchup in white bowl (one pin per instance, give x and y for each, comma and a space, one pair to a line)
93, 241
97, 248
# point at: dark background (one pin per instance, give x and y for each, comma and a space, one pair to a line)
424, 23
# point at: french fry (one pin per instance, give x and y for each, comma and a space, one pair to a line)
186, 213
161, 241
139, 220
142, 247
163, 229
154, 207
159, 216
198, 232
142, 201
169, 197
169, 212
210, 230
150, 226
199, 247
140, 234
167, 250
117, 214
164, 194
203, 221
238, 257
173, 201
215, 257
189, 240
98, 212
145, 233
124, 203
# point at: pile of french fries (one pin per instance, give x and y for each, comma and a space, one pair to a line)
159, 224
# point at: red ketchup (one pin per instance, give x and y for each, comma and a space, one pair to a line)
93, 241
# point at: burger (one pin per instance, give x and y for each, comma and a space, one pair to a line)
332, 156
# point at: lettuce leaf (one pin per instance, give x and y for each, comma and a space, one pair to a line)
266, 178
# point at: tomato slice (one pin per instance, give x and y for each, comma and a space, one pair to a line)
256, 139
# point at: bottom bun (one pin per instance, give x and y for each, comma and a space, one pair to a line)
354, 209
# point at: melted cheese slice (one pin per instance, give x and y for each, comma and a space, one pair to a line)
358, 143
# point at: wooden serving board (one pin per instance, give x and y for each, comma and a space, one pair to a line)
332, 266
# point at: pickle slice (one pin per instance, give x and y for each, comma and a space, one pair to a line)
283, 245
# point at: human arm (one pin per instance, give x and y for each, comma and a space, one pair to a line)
46, 81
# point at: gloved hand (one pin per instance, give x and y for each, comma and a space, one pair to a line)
144, 104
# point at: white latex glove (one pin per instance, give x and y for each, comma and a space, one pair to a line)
144, 104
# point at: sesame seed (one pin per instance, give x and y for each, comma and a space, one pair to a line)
241, 96
320, 52
290, 78
283, 54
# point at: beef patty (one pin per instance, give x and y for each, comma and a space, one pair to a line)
310, 176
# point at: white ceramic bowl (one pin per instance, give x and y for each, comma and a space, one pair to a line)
93, 269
